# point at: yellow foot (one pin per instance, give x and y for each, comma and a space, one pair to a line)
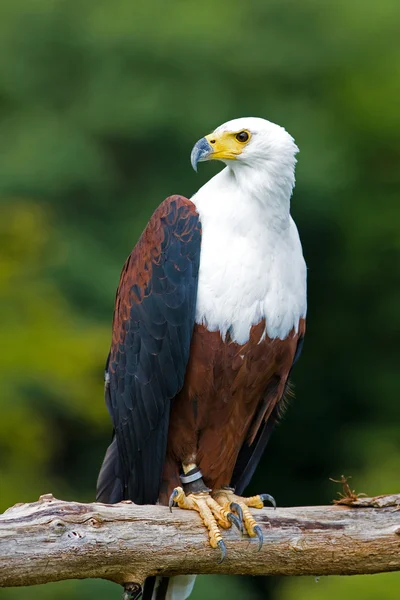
228, 500
211, 512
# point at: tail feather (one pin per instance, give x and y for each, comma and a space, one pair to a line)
168, 588
109, 485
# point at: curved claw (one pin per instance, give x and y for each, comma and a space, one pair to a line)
238, 510
235, 521
222, 547
260, 536
267, 498
172, 497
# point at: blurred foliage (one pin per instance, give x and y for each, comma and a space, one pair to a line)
367, 587
51, 375
100, 104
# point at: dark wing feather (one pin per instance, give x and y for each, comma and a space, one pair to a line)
152, 329
250, 454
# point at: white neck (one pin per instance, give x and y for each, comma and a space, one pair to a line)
270, 185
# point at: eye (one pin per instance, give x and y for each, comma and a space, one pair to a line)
242, 136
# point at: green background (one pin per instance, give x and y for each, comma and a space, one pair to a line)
100, 104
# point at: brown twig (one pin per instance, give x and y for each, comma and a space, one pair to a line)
348, 497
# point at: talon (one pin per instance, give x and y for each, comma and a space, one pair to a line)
267, 498
259, 534
222, 547
172, 497
238, 510
241, 507
210, 513
235, 521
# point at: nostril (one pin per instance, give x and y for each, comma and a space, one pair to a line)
212, 141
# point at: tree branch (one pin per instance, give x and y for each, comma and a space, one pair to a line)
51, 540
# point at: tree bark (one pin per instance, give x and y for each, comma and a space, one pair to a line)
51, 540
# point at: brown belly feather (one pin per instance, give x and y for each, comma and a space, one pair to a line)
229, 391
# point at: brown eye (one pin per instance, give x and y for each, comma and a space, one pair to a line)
242, 136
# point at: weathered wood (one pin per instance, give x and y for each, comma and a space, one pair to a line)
51, 540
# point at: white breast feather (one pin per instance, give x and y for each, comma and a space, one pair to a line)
251, 263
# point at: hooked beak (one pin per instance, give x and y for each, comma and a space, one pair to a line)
201, 151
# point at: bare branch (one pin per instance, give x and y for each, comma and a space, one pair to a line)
51, 540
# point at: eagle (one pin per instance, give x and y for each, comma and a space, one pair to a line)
209, 320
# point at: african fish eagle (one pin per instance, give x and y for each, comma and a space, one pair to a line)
209, 320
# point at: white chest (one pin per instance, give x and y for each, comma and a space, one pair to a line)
250, 269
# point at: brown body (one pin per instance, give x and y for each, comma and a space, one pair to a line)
230, 390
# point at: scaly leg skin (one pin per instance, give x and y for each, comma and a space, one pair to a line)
211, 512
228, 500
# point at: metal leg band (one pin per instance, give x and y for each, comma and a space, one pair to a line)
191, 476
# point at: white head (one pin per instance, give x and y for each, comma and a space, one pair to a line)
258, 152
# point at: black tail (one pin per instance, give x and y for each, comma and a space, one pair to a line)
148, 588
109, 485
